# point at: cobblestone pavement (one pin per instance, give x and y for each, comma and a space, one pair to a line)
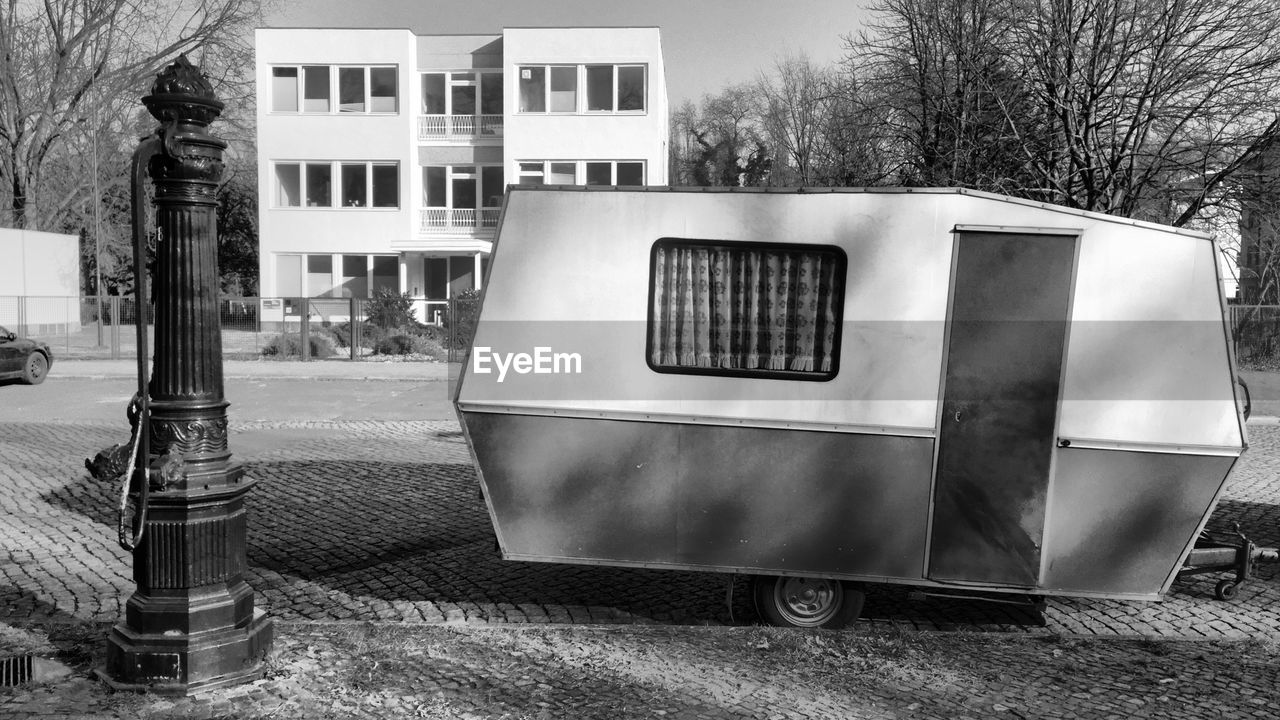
381, 521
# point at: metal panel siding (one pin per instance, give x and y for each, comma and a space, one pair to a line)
703, 496
1148, 362
1004, 367
1120, 520
593, 248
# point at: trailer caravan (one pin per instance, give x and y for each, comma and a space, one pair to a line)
826, 388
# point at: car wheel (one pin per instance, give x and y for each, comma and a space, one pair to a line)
35, 368
807, 602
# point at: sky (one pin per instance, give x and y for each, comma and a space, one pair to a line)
707, 45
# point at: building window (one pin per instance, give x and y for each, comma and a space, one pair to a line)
360, 184
745, 309
284, 89
461, 196
462, 93
358, 89
320, 276
319, 184
315, 89
386, 274
608, 88
462, 186
582, 172
533, 89
313, 275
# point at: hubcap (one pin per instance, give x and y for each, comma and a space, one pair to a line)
36, 365
808, 602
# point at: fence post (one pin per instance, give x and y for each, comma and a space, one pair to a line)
115, 327
353, 330
304, 329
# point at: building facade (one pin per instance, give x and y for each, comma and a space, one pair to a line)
383, 155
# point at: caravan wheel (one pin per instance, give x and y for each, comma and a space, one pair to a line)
807, 602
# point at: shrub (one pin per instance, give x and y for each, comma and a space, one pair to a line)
321, 346
409, 345
391, 310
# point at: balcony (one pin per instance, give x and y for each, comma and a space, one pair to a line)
459, 127
466, 221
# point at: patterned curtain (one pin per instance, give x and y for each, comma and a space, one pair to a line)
739, 308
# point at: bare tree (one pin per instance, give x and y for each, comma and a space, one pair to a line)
937, 71
1127, 107
720, 141
797, 105
70, 76
1135, 97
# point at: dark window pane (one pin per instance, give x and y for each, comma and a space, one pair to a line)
599, 87
491, 94
630, 173
386, 186
350, 89
631, 87
354, 185
437, 276
533, 89
433, 94
491, 184
315, 88
382, 90
564, 89
319, 182
464, 193
598, 173
464, 100
435, 187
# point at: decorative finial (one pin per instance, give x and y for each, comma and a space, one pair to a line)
182, 93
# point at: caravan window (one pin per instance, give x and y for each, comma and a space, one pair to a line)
745, 309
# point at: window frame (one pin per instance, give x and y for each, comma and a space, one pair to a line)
337, 181
481, 79
334, 73
580, 172
842, 270
476, 174
581, 89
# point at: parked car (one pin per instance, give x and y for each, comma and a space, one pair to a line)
20, 358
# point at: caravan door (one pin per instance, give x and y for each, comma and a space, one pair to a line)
1006, 339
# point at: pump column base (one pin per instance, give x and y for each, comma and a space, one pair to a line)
177, 664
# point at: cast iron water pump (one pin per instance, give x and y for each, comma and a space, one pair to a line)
191, 624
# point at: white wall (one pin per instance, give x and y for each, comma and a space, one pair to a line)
592, 136
39, 264
321, 137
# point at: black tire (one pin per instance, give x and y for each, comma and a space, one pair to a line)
35, 368
806, 601
1225, 590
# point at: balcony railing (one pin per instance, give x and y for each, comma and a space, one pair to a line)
465, 220
436, 127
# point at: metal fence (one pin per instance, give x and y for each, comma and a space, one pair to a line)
1255, 332
255, 327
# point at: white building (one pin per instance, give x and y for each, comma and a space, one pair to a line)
383, 155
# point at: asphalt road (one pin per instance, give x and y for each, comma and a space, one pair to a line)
99, 400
